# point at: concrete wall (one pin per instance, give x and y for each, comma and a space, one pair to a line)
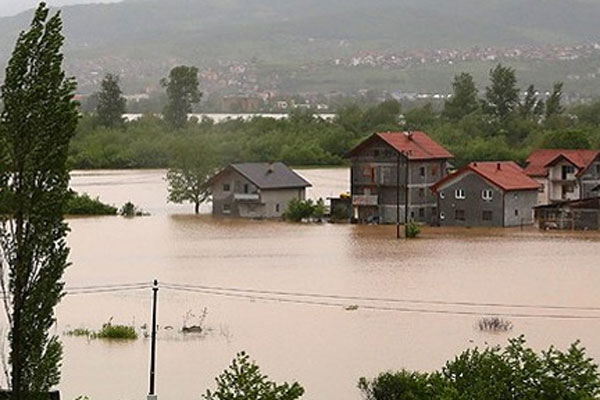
589, 180
518, 207
544, 192
473, 204
276, 201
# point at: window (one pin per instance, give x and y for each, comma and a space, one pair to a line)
277, 207
422, 171
375, 153
421, 213
226, 187
412, 215
442, 215
542, 188
442, 195
486, 215
569, 188
597, 169
516, 212
487, 194
226, 208
421, 192
246, 188
459, 215
460, 194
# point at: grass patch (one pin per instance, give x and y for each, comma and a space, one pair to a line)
121, 332
79, 332
494, 324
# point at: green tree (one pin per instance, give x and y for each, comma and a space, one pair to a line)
420, 118
502, 96
192, 164
111, 103
182, 93
36, 126
531, 107
464, 101
553, 104
243, 380
566, 139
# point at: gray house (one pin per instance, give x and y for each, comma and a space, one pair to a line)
256, 190
392, 167
495, 193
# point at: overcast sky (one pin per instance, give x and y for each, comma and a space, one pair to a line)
12, 7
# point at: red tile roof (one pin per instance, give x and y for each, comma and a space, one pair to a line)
539, 160
417, 145
507, 175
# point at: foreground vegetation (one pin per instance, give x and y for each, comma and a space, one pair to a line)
483, 132
108, 331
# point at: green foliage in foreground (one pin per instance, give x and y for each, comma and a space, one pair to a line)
412, 230
108, 331
515, 372
83, 204
243, 380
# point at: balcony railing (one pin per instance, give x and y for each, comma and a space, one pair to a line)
365, 200
246, 196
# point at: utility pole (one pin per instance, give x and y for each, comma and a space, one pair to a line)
398, 195
151, 394
406, 195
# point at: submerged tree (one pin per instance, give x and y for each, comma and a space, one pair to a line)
182, 92
36, 126
111, 103
192, 164
243, 380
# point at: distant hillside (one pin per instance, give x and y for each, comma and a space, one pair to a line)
159, 33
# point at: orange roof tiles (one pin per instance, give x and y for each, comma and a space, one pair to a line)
416, 145
539, 160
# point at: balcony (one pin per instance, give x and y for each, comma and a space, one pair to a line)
246, 197
365, 200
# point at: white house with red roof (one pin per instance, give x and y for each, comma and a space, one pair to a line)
492, 193
390, 168
564, 174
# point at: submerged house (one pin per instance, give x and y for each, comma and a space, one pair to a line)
256, 190
580, 215
495, 193
564, 174
392, 167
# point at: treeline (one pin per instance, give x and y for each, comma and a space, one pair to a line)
499, 124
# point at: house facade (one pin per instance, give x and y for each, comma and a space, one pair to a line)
494, 194
256, 190
392, 167
564, 174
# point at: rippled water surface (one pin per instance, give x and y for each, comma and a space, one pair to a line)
312, 340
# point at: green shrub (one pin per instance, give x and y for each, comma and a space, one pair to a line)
299, 209
412, 230
80, 332
110, 331
340, 213
131, 210
83, 204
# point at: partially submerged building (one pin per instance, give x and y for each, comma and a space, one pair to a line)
581, 215
256, 190
564, 174
496, 193
389, 168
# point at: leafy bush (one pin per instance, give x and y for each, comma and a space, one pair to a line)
110, 331
299, 210
515, 372
412, 230
131, 210
243, 380
340, 213
85, 205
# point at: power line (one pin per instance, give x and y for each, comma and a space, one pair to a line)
383, 299
373, 307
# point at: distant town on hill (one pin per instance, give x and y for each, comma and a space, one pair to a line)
269, 48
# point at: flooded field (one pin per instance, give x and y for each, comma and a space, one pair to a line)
437, 288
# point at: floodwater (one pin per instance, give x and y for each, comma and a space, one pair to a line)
313, 340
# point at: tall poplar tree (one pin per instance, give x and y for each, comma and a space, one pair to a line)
182, 92
553, 105
111, 103
37, 123
502, 96
464, 101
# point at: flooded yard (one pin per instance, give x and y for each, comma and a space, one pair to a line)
300, 321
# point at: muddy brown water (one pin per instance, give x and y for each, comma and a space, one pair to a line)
323, 346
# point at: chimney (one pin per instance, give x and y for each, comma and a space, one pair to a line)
409, 135
475, 164
270, 168
499, 166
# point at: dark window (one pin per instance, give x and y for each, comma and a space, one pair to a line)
421, 213
487, 216
422, 171
459, 215
226, 208
375, 153
542, 188
516, 213
226, 187
412, 214
277, 207
598, 169
421, 192
246, 188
